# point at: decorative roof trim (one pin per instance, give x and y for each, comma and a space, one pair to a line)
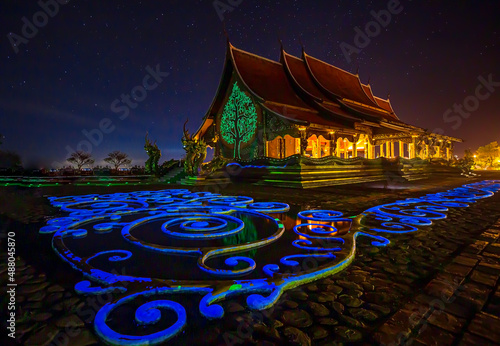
285, 63
303, 122
365, 106
231, 48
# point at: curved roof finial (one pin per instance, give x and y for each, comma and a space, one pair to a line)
369, 79
389, 96
282, 49
225, 31
302, 44
357, 70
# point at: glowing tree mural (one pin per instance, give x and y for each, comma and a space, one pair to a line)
239, 120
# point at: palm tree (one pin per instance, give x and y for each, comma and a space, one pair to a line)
117, 159
80, 159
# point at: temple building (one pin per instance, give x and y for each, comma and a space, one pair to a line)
305, 107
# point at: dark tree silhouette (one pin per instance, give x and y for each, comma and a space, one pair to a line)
117, 159
9, 159
80, 159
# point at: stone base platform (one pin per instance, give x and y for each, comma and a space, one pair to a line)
204, 181
304, 173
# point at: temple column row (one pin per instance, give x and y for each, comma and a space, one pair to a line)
388, 149
341, 147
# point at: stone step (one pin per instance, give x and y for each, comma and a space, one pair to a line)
203, 181
174, 175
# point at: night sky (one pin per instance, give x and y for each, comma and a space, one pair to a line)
66, 77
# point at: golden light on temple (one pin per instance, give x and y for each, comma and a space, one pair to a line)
318, 132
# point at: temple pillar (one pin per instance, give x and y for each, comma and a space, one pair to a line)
354, 146
303, 146
401, 149
217, 151
346, 148
413, 152
333, 143
303, 140
393, 153
382, 152
372, 146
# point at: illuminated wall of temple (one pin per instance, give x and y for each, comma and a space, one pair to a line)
317, 147
282, 147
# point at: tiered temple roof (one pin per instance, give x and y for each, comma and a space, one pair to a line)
307, 91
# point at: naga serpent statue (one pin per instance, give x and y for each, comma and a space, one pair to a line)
196, 152
154, 156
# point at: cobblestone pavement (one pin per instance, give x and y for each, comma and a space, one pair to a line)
437, 286
47, 313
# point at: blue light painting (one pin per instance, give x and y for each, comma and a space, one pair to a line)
221, 239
